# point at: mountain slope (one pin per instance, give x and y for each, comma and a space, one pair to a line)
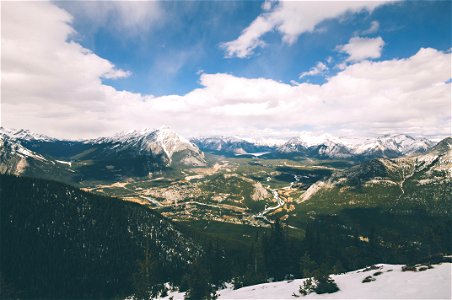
311, 146
404, 184
229, 146
16, 159
136, 153
392, 145
392, 283
60, 242
327, 146
162, 143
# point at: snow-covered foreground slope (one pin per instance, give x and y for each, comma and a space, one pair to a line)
391, 284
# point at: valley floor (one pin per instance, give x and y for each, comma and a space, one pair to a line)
392, 283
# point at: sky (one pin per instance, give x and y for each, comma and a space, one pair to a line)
262, 69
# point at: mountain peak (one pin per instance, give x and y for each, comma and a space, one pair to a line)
24, 134
163, 142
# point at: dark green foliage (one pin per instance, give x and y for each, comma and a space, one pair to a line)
409, 268
278, 250
198, 283
307, 266
310, 176
338, 267
371, 267
308, 287
147, 278
368, 279
326, 285
377, 273
342, 238
60, 242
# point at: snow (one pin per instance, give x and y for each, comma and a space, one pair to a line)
157, 141
25, 135
342, 147
401, 143
255, 154
27, 153
64, 162
271, 142
430, 284
316, 140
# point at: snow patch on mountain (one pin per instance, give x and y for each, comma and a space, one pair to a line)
396, 143
392, 283
24, 135
160, 142
326, 145
14, 148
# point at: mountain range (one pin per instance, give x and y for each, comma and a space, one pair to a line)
416, 182
350, 201
324, 146
144, 152
134, 153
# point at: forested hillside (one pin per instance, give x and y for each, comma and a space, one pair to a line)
60, 242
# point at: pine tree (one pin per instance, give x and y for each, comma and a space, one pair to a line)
198, 283
338, 267
307, 266
142, 278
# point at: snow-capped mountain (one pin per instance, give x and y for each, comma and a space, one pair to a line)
402, 182
433, 165
327, 146
15, 159
229, 145
134, 153
322, 146
24, 135
163, 143
392, 145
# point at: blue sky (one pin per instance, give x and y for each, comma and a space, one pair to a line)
168, 57
260, 69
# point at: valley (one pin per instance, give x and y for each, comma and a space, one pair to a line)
233, 190
295, 210
292, 182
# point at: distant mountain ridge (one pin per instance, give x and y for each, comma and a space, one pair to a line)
142, 152
15, 159
327, 146
403, 183
136, 153
324, 146
230, 145
392, 145
163, 143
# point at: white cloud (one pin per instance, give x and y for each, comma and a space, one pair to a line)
45, 77
116, 73
249, 39
290, 19
268, 4
374, 26
360, 48
319, 68
129, 18
53, 86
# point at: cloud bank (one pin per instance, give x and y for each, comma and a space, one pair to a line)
291, 19
53, 85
